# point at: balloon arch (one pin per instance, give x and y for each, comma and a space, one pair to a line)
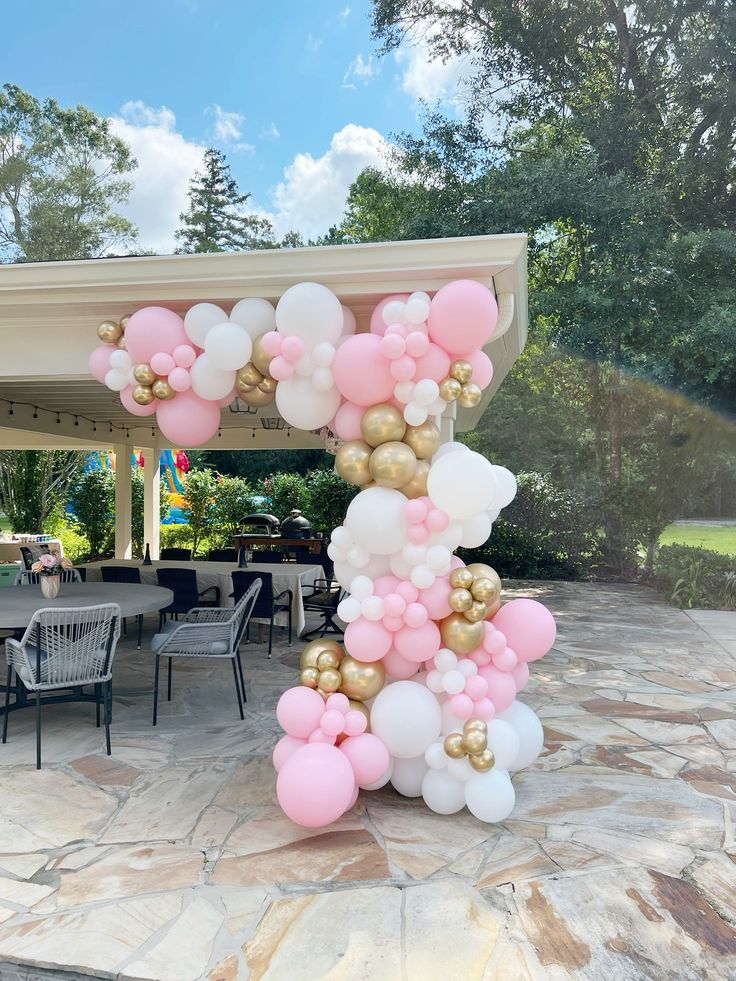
422, 693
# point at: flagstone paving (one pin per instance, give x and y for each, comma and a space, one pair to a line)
170, 861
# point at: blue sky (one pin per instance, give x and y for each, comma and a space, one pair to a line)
292, 90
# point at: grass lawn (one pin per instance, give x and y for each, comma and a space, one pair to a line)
714, 537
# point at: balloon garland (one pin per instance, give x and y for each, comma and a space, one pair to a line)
422, 693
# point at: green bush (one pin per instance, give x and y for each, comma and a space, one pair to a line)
696, 577
233, 501
93, 504
328, 497
287, 491
200, 492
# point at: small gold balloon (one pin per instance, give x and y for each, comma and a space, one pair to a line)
484, 589
329, 680
351, 462
460, 600
123, 344
315, 647
424, 439
361, 680
382, 424
482, 571
461, 371
460, 635
461, 578
249, 375
469, 396
476, 612
144, 374
243, 389
256, 398
259, 357
124, 320
475, 724
474, 741
309, 677
327, 659
267, 385
453, 746
143, 394
450, 388
482, 762
109, 332
363, 709
162, 389
392, 464
417, 486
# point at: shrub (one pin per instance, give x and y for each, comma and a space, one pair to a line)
328, 497
696, 577
233, 501
287, 491
200, 493
93, 504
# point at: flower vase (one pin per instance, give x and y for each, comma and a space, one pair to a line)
50, 586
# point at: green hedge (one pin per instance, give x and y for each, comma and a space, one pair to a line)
696, 577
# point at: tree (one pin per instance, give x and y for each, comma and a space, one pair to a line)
288, 491
256, 467
217, 220
62, 175
327, 499
200, 495
233, 501
93, 506
34, 484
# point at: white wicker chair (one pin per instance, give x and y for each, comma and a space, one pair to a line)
65, 649
206, 632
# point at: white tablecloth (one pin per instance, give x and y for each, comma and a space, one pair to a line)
286, 575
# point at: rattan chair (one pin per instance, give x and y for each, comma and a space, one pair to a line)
65, 649
267, 605
207, 632
324, 599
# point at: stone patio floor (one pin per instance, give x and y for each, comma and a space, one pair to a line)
171, 861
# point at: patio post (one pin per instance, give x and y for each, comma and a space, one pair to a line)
447, 423
123, 501
152, 500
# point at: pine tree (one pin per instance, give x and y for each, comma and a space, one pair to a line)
217, 220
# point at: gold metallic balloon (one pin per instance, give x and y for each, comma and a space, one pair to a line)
476, 612
109, 332
256, 398
424, 439
315, 647
351, 462
363, 709
450, 388
162, 390
245, 388
482, 762
469, 395
259, 357
267, 385
249, 375
144, 374
327, 659
309, 677
124, 320
361, 680
482, 571
392, 464
474, 741
453, 746
460, 600
382, 424
123, 344
143, 394
460, 635
329, 680
484, 589
473, 723
417, 486
461, 371
461, 578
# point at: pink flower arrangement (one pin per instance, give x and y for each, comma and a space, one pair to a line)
51, 564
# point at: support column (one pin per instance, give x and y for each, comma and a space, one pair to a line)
447, 423
123, 501
152, 501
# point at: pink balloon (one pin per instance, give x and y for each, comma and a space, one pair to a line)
393, 623
394, 605
99, 361
520, 674
368, 757
393, 346
355, 723
418, 643
378, 326
321, 737
461, 706
188, 420
484, 709
299, 711
280, 369
476, 687
482, 368
180, 379
126, 397
385, 585
399, 667
480, 657
162, 363
332, 722
415, 615
284, 748
436, 598
462, 316
417, 534
292, 348
151, 330
501, 686
417, 344
438, 520
362, 374
409, 592
493, 640
224, 402
367, 640
415, 511
403, 369
347, 421
338, 701
506, 660
271, 342
529, 627
435, 364
185, 355
315, 786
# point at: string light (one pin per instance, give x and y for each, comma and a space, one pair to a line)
76, 420
35, 412
10, 410
58, 419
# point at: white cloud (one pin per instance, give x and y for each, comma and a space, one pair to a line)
314, 43
227, 129
270, 132
431, 80
166, 162
360, 70
312, 195
344, 14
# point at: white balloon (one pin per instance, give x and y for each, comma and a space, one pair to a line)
415, 414
304, 366
404, 391
505, 487
407, 717
462, 484
348, 609
407, 775
476, 530
358, 556
438, 559
490, 796
394, 312
438, 407
312, 312
441, 793
322, 379
120, 360
349, 324
376, 519
341, 537
503, 742
422, 577
228, 346
528, 729
372, 608
426, 391
323, 355
445, 659
382, 781
435, 756
209, 381
414, 554
460, 769
399, 566
450, 722
434, 683
417, 308
345, 572
361, 587
200, 319
257, 316
467, 668
446, 448
453, 682
304, 406
116, 380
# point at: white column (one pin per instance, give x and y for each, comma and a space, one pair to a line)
447, 423
123, 501
152, 501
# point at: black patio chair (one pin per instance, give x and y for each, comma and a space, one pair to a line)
267, 605
124, 573
222, 555
267, 555
301, 554
177, 554
187, 596
324, 599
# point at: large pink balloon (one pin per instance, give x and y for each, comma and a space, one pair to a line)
367, 640
126, 397
188, 420
300, 711
315, 785
482, 368
520, 674
435, 364
529, 628
378, 324
501, 686
361, 372
284, 748
462, 316
400, 667
418, 643
151, 330
436, 598
368, 756
346, 423
99, 361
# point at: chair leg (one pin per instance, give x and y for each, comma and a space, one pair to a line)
242, 679
168, 686
155, 689
7, 703
125, 627
108, 716
97, 705
237, 688
289, 625
140, 630
270, 635
38, 729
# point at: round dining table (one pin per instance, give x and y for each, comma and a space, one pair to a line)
19, 603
